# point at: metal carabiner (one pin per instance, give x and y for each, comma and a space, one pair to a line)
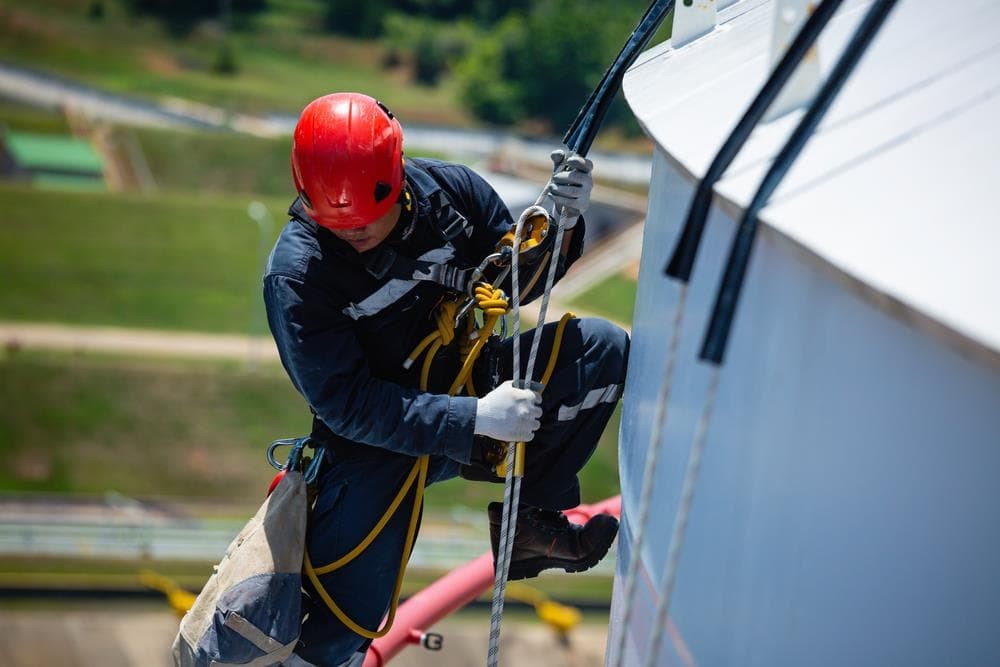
294, 456
312, 472
497, 258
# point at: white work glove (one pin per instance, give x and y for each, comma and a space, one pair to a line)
570, 185
508, 414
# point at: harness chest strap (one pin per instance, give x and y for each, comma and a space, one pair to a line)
451, 225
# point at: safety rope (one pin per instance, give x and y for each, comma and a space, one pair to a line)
681, 520
649, 473
515, 451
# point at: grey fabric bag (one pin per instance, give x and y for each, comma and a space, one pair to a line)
249, 612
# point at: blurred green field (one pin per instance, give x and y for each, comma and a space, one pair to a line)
170, 261
613, 297
84, 573
165, 427
284, 62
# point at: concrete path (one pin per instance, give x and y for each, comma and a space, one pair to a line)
118, 340
45, 90
122, 635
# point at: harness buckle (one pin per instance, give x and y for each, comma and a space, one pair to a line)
451, 223
379, 265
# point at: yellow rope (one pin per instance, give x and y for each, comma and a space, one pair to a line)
356, 551
556, 344
411, 532
494, 306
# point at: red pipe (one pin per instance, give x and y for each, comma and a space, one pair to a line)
452, 592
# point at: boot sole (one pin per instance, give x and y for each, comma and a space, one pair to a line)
529, 569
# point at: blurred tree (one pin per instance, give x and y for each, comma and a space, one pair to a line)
485, 12
370, 18
95, 11
356, 18
180, 16
543, 65
487, 91
488, 12
433, 46
225, 62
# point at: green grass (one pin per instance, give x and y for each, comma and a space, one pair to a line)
182, 262
613, 297
25, 118
283, 62
141, 427
217, 162
90, 424
123, 574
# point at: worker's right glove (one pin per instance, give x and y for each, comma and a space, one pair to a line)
508, 414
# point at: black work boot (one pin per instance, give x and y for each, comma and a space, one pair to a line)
546, 539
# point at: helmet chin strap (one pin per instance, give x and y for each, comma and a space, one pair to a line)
407, 200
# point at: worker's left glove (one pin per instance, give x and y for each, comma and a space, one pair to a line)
570, 185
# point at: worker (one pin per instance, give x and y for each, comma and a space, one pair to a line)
375, 242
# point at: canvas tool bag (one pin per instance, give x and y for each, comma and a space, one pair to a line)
249, 612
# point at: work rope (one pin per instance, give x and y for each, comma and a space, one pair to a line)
493, 304
681, 519
649, 474
515, 451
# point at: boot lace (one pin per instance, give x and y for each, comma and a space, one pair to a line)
548, 520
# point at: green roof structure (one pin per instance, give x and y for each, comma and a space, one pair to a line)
55, 160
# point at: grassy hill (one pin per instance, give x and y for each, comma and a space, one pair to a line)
283, 61
171, 261
164, 427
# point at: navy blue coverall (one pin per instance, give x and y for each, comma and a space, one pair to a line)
343, 327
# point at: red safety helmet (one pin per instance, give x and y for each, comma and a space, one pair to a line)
347, 160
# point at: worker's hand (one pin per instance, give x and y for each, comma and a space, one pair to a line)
571, 185
508, 414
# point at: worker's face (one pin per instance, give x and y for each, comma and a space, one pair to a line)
369, 236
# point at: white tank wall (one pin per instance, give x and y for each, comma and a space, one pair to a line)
848, 508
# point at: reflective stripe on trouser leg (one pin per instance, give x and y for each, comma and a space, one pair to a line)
609, 394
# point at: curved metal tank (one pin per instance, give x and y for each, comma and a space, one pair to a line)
848, 506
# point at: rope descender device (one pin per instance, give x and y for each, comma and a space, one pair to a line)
534, 233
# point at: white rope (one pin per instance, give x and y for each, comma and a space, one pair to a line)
512, 483
505, 543
681, 520
646, 494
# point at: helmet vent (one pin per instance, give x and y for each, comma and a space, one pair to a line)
382, 190
385, 109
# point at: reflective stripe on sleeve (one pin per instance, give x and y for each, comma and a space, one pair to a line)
395, 289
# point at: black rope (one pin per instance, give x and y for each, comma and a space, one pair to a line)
717, 336
580, 135
681, 264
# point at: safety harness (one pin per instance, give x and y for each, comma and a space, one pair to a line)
493, 305
529, 237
